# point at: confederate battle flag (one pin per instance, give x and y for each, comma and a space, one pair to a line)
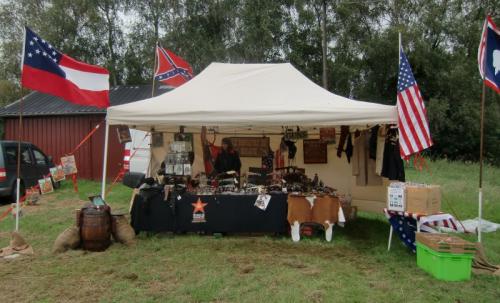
49, 71
171, 69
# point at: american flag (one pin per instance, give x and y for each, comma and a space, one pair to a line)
488, 55
414, 134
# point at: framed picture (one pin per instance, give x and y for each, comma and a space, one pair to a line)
57, 173
32, 195
157, 139
69, 165
315, 151
185, 137
123, 134
251, 146
45, 185
327, 135
179, 169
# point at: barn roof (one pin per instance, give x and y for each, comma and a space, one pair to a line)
39, 104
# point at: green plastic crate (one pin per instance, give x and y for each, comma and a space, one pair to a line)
444, 266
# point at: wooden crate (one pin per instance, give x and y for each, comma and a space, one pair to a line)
446, 243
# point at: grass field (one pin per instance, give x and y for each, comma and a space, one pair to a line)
355, 267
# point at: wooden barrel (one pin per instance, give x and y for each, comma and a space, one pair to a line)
95, 228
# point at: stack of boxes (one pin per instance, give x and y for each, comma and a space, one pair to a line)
414, 198
177, 159
445, 257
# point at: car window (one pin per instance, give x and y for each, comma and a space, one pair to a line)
25, 156
39, 157
11, 155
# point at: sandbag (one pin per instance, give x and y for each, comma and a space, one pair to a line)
68, 239
122, 231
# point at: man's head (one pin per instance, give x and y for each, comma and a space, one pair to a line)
227, 145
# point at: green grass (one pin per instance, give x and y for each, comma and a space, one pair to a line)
355, 267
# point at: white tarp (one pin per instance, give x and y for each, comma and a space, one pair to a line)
246, 98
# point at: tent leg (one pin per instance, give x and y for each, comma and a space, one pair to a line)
105, 161
389, 241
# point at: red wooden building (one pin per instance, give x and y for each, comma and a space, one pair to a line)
57, 127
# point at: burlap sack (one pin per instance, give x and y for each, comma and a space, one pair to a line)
68, 239
122, 231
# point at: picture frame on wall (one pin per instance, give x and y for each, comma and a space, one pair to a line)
315, 151
123, 133
156, 139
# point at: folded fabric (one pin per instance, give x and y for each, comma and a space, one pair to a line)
17, 246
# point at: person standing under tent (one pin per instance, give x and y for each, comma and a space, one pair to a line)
228, 159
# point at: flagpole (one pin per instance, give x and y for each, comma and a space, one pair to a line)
481, 150
154, 70
19, 136
399, 48
19, 139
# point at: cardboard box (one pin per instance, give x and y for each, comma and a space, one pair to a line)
396, 198
446, 243
423, 199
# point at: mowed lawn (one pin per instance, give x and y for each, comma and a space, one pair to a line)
355, 267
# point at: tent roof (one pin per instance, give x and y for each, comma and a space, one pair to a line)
249, 97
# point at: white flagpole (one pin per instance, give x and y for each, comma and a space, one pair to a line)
105, 160
399, 49
20, 129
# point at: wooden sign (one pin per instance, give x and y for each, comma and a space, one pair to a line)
123, 134
68, 164
157, 139
251, 146
315, 151
327, 135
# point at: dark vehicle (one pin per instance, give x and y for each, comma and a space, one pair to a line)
34, 166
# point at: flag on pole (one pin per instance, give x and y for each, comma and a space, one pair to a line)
488, 56
414, 134
171, 69
49, 71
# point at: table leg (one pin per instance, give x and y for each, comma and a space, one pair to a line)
390, 238
295, 231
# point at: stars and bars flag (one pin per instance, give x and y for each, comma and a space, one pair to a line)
47, 70
171, 69
414, 134
488, 56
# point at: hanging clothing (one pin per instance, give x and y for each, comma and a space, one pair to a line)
349, 148
393, 166
362, 166
373, 142
344, 133
279, 158
380, 149
267, 161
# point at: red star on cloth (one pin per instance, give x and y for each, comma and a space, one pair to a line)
199, 206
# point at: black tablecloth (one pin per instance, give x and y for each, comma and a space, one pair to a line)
223, 213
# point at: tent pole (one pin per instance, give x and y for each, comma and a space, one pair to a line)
105, 160
481, 150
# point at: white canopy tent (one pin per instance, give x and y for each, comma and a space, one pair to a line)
247, 98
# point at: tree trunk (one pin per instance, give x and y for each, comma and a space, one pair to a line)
323, 38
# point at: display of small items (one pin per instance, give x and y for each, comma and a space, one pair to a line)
177, 161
